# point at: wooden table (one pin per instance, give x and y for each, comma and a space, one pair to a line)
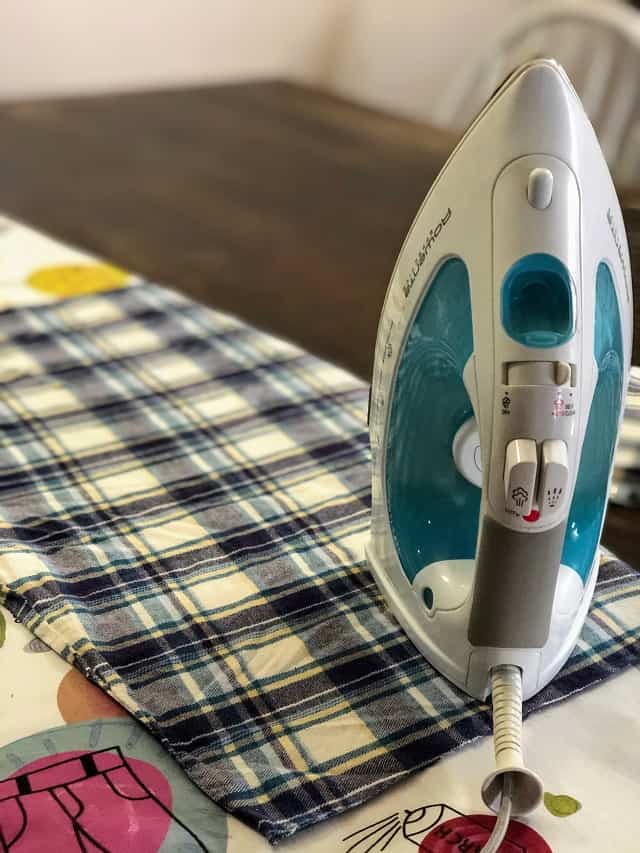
280, 203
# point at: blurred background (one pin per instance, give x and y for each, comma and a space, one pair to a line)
423, 59
401, 56
192, 140
395, 55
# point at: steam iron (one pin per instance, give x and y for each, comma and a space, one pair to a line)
501, 361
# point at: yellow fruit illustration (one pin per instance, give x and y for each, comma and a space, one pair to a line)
561, 805
77, 279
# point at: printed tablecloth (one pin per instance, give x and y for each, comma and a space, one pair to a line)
86, 777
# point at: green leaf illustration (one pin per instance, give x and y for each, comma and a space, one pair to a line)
3, 628
561, 805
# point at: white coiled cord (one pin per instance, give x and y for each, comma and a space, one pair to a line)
516, 789
506, 699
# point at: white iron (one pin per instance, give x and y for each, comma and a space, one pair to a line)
501, 360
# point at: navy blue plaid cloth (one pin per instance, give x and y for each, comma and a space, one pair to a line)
183, 508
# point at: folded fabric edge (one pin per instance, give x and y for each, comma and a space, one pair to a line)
91, 664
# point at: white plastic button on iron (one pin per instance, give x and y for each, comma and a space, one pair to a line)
540, 188
554, 474
466, 452
520, 467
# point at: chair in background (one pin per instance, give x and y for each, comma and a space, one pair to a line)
598, 44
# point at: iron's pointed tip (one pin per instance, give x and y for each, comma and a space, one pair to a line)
546, 71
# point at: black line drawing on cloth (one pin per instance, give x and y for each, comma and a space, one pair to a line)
403, 828
66, 787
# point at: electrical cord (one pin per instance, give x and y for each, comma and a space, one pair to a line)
504, 816
516, 788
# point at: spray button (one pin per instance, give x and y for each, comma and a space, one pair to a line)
554, 475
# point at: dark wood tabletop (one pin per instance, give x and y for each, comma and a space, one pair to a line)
277, 202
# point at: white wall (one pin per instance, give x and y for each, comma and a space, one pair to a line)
394, 54
400, 54
69, 46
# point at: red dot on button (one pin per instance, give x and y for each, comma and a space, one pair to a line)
534, 515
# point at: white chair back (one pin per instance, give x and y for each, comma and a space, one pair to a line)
598, 44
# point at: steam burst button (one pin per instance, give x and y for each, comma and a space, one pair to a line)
520, 468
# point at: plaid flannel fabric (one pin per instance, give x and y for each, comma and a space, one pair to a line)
183, 508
